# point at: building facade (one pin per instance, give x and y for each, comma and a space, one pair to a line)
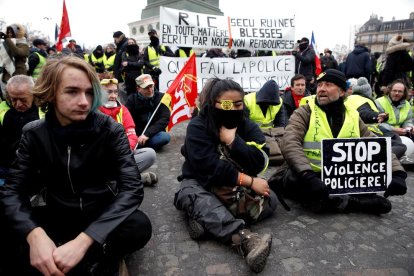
376, 33
150, 15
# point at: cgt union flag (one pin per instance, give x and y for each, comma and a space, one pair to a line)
181, 95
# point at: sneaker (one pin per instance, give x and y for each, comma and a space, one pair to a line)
149, 179
195, 230
405, 160
253, 247
371, 204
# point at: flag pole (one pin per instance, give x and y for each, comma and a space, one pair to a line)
149, 121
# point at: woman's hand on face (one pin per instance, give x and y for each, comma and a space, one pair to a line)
227, 135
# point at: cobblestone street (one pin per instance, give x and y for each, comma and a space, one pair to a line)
303, 243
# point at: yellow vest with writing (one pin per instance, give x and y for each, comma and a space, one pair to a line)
319, 129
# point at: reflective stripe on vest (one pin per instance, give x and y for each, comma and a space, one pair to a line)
319, 129
4, 107
385, 102
183, 54
356, 101
256, 114
39, 66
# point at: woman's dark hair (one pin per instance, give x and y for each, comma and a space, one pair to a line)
212, 90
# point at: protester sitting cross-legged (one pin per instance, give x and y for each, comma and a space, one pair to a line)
220, 191
81, 160
144, 157
400, 122
326, 116
151, 117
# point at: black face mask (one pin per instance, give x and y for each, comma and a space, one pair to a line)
227, 118
132, 49
154, 40
303, 46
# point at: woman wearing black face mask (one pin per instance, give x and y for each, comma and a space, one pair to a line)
131, 66
220, 191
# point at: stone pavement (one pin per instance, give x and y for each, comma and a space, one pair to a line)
303, 243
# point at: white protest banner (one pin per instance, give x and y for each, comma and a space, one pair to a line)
251, 73
357, 165
188, 29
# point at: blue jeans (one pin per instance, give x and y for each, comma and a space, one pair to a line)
158, 140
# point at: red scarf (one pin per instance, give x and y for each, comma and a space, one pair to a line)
297, 99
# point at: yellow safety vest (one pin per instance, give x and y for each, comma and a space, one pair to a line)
256, 114
319, 129
356, 101
305, 100
153, 57
119, 116
4, 107
39, 66
108, 62
183, 54
385, 102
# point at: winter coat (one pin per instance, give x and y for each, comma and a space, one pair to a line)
202, 159
305, 63
120, 48
123, 118
295, 131
34, 59
397, 66
358, 63
289, 102
142, 109
87, 168
11, 131
19, 49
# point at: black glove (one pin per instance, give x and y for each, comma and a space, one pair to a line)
3, 35
397, 185
157, 70
313, 186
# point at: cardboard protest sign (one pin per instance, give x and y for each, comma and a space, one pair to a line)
251, 73
189, 29
352, 166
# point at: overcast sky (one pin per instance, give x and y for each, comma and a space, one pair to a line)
93, 22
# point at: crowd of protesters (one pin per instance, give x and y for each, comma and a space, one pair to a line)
78, 128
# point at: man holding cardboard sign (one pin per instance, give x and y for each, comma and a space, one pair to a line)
322, 118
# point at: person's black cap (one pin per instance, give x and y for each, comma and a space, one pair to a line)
38, 42
334, 76
152, 32
117, 34
304, 39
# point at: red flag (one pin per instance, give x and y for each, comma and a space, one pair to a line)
181, 95
64, 28
318, 66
